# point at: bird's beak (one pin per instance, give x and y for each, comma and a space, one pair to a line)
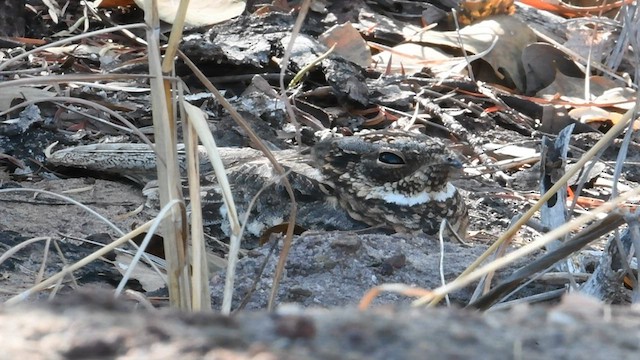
455, 163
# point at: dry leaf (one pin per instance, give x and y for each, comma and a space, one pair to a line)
349, 44
572, 89
410, 58
21, 92
199, 12
148, 278
503, 38
501, 151
541, 61
592, 114
624, 98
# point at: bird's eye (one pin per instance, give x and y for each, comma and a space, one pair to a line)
453, 162
391, 158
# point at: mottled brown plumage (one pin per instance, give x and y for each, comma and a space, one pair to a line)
394, 179
391, 179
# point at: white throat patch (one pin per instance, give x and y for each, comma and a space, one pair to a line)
415, 199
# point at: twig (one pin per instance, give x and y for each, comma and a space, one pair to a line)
69, 40
465, 278
95, 255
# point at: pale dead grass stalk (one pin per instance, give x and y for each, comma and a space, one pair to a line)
164, 125
83, 262
66, 78
65, 262
45, 256
198, 122
461, 43
71, 39
469, 274
195, 288
70, 200
261, 146
145, 242
402, 289
288, 239
200, 298
443, 226
9, 253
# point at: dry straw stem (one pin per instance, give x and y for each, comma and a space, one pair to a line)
9, 253
254, 139
69, 40
57, 79
200, 299
288, 239
296, 79
87, 209
145, 243
198, 122
465, 280
67, 78
198, 277
175, 37
403, 289
469, 274
167, 167
94, 256
197, 125
45, 256
207, 140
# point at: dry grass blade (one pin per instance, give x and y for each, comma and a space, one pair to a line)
200, 299
9, 253
298, 77
67, 78
578, 242
70, 200
167, 168
198, 122
175, 37
288, 239
403, 289
71, 39
94, 256
470, 276
145, 242
254, 139
45, 255
604, 141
